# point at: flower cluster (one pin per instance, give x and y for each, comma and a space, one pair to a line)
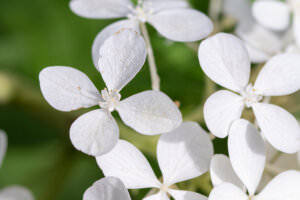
184, 149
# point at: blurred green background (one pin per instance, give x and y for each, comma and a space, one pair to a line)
39, 33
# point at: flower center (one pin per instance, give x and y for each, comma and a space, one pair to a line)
251, 96
164, 188
110, 99
141, 12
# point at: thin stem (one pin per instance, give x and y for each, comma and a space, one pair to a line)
153, 69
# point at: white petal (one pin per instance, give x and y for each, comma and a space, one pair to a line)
296, 28
280, 76
15, 193
184, 153
3, 145
278, 126
247, 153
238, 9
272, 14
101, 8
182, 24
122, 56
186, 195
225, 60
127, 163
150, 113
220, 110
109, 188
159, 5
260, 42
109, 31
221, 171
227, 191
283, 186
95, 133
68, 89
158, 196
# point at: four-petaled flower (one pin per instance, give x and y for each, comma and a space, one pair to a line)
225, 60
242, 173
96, 132
171, 18
182, 154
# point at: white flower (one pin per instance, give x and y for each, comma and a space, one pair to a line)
182, 154
11, 192
260, 42
171, 18
96, 132
275, 15
243, 172
225, 60
109, 188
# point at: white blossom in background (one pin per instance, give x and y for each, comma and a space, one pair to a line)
173, 19
260, 42
12, 192
275, 14
239, 178
182, 154
109, 188
225, 60
96, 132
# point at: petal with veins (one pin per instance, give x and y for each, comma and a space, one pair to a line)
109, 31
184, 153
280, 75
109, 188
186, 195
67, 89
283, 186
101, 9
278, 126
127, 163
95, 133
122, 56
182, 24
221, 171
272, 14
150, 113
227, 191
247, 153
225, 60
220, 110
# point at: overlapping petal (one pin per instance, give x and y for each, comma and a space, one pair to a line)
158, 196
102, 9
109, 188
16, 193
68, 89
221, 171
186, 195
283, 186
150, 113
278, 126
272, 14
227, 191
220, 110
122, 56
95, 133
160, 5
184, 153
127, 163
109, 31
247, 153
225, 60
280, 75
182, 24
